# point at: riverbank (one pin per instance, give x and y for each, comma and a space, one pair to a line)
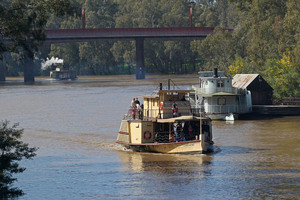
283, 110
181, 81
113, 80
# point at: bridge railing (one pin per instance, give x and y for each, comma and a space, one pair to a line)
131, 32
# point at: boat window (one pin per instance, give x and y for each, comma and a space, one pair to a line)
221, 101
220, 83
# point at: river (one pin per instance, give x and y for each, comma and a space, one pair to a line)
75, 125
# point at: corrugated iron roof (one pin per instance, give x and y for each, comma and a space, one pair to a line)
243, 80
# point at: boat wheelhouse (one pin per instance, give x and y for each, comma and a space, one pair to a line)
158, 129
216, 97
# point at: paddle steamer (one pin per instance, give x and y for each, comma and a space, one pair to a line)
158, 128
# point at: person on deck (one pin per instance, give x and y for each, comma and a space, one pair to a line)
133, 110
138, 107
133, 104
175, 109
137, 102
178, 132
191, 133
141, 109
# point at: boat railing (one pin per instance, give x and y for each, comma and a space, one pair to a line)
220, 109
145, 114
153, 114
162, 137
131, 116
232, 90
167, 137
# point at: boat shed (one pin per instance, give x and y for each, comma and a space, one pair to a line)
261, 91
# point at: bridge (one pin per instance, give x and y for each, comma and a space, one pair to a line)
84, 35
137, 34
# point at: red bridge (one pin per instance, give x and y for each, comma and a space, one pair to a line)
79, 35
137, 34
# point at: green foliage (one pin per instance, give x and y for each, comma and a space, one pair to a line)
23, 21
266, 30
283, 75
238, 66
12, 150
216, 50
160, 56
263, 31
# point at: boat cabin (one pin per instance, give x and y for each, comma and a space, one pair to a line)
160, 105
63, 73
217, 98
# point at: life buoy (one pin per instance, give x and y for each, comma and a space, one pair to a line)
161, 106
147, 135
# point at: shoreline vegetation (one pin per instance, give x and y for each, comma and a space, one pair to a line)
265, 38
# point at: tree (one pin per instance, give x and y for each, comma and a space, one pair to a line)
237, 66
283, 75
12, 150
22, 23
97, 54
69, 52
216, 50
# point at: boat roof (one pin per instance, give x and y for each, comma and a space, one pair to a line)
164, 91
220, 94
216, 78
211, 74
172, 91
181, 118
149, 96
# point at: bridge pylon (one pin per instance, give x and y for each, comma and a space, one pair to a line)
2, 70
28, 69
140, 62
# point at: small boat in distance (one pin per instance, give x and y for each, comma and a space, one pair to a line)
63, 73
165, 124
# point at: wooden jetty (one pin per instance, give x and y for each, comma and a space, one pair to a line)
276, 110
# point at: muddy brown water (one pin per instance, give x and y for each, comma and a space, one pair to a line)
75, 124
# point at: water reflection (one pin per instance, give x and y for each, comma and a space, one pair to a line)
229, 150
75, 124
229, 122
166, 164
171, 176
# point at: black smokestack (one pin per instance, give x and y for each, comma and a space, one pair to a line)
160, 86
215, 72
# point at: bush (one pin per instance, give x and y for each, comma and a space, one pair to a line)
12, 150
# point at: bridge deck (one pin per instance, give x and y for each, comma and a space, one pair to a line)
68, 35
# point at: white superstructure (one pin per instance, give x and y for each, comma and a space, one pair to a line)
216, 98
